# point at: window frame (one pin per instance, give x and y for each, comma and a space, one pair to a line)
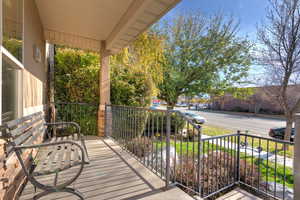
5, 54
20, 68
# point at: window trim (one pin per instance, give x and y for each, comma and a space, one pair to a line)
11, 58
5, 54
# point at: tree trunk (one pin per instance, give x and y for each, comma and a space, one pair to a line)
257, 108
288, 129
222, 103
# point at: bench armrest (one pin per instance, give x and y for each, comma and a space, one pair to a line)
66, 123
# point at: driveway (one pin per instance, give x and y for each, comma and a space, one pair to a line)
255, 125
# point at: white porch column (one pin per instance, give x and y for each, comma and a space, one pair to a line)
104, 87
297, 158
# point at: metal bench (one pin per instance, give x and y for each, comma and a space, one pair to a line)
54, 154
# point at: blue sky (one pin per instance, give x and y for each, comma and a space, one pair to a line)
248, 12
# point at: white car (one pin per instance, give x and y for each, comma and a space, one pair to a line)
196, 118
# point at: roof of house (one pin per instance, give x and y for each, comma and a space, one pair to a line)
85, 24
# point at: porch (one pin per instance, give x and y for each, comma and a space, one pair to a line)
112, 174
153, 137
144, 153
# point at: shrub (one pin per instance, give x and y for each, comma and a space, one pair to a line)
139, 146
240, 109
217, 170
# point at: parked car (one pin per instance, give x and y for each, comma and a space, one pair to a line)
195, 118
278, 133
154, 107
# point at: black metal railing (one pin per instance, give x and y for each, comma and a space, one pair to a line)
266, 166
170, 144
143, 133
85, 114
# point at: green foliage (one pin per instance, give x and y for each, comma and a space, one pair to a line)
14, 46
76, 76
242, 93
202, 56
136, 70
83, 114
159, 123
130, 87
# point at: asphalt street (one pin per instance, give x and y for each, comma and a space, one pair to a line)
255, 125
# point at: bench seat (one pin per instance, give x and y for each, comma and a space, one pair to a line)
57, 158
58, 147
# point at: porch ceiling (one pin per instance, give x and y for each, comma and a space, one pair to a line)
84, 24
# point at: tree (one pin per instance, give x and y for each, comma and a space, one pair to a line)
280, 55
136, 71
244, 94
201, 54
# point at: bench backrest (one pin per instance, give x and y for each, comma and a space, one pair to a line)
23, 131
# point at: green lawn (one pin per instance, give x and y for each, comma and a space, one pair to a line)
266, 169
215, 131
272, 146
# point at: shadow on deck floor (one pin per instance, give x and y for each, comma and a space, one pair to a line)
112, 174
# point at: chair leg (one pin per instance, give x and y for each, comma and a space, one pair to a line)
68, 190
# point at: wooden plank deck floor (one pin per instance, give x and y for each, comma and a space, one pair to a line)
112, 174
238, 194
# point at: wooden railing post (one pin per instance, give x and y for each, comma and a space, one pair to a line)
104, 87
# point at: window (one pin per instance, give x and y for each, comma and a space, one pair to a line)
10, 90
13, 27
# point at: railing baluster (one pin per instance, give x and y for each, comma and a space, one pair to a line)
252, 157
259, 162
267, 172
187, 154
238, 144
284, 172
181, 156
175, 146
200, 163
152, 139
275, 170
161, 144
193, 142
168, 134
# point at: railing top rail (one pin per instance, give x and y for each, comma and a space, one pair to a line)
75, 103
159, 110
139, 108
267, 138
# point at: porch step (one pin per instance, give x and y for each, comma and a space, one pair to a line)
239, 194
